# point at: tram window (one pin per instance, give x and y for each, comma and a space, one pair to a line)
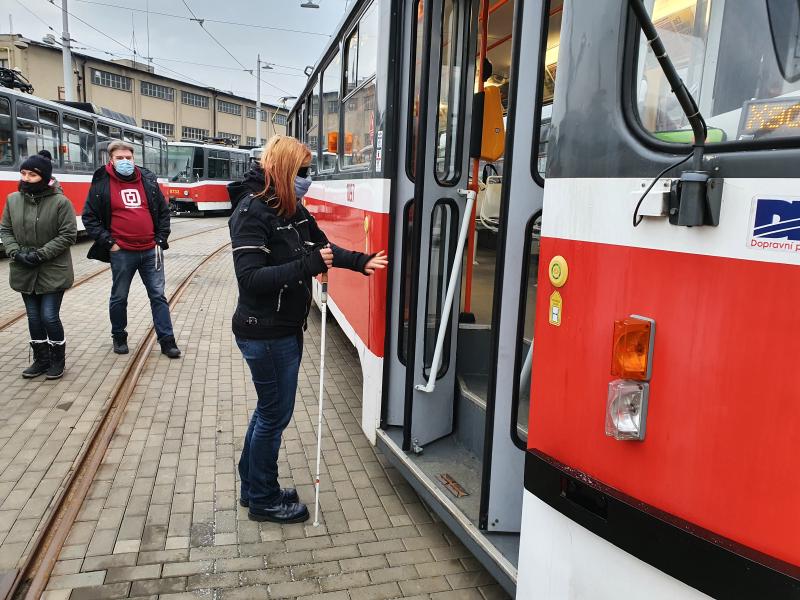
547, 82
522, 389
6, 143
219, 164
238, 165
450, 76
37, 129
331, 80
405, 281
444, 231
359, 113
152, 154
359, 127
105, 135
413, 107
312, 130
724, 53
79, 144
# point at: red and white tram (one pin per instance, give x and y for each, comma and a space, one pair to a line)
198, 175
77, 140
646, 447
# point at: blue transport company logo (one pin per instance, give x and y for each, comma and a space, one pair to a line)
776, 225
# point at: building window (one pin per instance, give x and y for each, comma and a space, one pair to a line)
280, 119
229, 107
158, 91
112, 80
194, 99
194, 133
251, 113
234, 137
165, 129
251, 141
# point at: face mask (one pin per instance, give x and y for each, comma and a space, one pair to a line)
124, 167
301, 185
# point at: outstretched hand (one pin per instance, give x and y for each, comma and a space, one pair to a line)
379, 261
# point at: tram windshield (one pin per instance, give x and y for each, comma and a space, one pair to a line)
180, 162
725, 54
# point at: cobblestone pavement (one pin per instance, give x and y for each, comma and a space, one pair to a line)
11, 301
162, 518
44, 424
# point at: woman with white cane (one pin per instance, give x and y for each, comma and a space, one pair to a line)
277, 248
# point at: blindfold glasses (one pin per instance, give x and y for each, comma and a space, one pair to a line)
302, 172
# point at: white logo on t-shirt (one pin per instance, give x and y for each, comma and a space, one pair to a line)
131, 198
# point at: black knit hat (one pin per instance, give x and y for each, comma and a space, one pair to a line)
40, 165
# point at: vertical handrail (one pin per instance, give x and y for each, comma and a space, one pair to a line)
452, 284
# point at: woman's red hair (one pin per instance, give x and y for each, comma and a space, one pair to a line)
282, 158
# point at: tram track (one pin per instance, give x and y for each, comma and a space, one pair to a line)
30, 579
10, 320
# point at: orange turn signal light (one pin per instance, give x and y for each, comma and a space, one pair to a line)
632, 352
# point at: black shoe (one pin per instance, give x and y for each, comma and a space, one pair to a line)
292, 512
57, 352
288, 495
41, 360
169, 347
120, 343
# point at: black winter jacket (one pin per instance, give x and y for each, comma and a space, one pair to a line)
274, 259
96, 215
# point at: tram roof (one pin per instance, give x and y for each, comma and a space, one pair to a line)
209, 146
76, 111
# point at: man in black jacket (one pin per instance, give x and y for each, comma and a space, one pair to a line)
128, 218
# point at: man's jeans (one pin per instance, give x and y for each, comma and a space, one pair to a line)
124, 264
274, 365
43, 318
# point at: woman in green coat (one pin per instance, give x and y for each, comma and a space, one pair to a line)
37, 228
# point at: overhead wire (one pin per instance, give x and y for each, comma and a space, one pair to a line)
200, 22
116, 41
219, 21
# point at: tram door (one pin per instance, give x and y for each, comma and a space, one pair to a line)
437, 147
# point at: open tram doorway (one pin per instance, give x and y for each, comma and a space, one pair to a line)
459, 434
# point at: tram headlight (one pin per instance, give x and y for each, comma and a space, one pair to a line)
632, 363
626, 412
185, 192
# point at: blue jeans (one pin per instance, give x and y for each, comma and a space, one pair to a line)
274, 365
43, 320
124, 264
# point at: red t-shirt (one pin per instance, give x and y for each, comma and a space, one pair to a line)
131, 223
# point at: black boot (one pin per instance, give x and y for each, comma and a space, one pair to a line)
41, 359
57, 352
169, 347
120, 342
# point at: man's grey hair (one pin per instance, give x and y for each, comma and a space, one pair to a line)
120, 145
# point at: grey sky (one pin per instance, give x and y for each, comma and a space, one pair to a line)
179, 39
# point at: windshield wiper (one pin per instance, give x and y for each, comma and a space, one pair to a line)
696, 199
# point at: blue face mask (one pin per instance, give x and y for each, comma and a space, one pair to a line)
301, 185
124, 167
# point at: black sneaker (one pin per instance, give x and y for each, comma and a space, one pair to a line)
292, 512
288, 495
120, 343
169, 347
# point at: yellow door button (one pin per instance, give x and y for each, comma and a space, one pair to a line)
559, 271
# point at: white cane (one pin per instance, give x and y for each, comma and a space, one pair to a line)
324, 310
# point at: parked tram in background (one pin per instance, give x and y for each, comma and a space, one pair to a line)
76, 139
198, 175
645, 448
